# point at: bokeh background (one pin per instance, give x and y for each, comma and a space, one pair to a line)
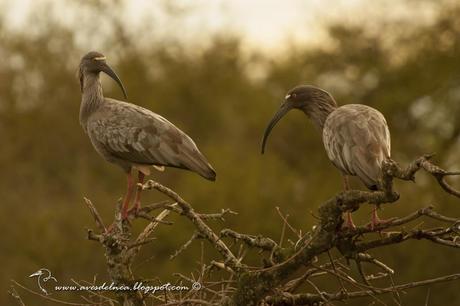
219, 70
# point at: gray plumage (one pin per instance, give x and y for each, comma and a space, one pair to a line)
129, 135
357, 141
355, 136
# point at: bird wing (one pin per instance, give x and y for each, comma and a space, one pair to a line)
357, 141
139, 136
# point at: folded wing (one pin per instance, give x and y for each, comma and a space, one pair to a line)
357, 141
139, 136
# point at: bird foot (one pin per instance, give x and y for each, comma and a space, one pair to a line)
110, 229
114, 228
377, 222
135, 209
124, 215
348, 225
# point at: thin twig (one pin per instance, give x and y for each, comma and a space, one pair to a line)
202, 227
97, 218
12, 292
307, 299
185, 245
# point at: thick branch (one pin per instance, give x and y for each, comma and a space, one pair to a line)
253, 241
424, 162
253, 286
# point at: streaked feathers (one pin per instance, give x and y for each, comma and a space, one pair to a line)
357, 141
128, 135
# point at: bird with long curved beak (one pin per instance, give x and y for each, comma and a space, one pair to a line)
355, 136
131, 136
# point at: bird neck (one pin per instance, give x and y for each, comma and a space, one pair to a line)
92, 96
319, 110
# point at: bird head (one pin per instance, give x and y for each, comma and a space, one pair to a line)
312, 100
93, 63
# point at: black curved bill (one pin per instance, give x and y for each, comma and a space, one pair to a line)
285, 107
106, 68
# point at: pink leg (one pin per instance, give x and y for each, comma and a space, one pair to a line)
348, 220
137, 202
346, 184
129, 192
375, 220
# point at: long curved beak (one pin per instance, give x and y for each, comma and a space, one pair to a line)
106, 68
284, 109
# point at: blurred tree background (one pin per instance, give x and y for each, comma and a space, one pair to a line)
222, 95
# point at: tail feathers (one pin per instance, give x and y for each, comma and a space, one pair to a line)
373, 187
210, 174
371, 184
206, 171
196, 162
370, 176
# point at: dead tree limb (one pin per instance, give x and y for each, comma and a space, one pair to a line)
277, 279
201, 226
254, 286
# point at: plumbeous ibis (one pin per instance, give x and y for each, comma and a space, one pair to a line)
355, 136
130, 136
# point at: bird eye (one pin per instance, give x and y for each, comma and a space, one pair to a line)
294, 95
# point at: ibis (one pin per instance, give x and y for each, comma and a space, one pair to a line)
356, 137
130, 136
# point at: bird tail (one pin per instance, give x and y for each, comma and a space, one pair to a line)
205, 170
199, 164
210, 174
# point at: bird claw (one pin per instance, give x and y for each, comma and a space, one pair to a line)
375, 223
348, 225
134, 210
109, 229
125, 214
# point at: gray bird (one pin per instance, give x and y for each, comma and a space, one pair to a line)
355, 136
130, 136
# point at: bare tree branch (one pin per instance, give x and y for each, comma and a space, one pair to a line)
276, 279
311, 299
202, 227
97, 218
253, 286
13, 293
260, 242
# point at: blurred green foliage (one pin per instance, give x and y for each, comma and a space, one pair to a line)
222, 97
